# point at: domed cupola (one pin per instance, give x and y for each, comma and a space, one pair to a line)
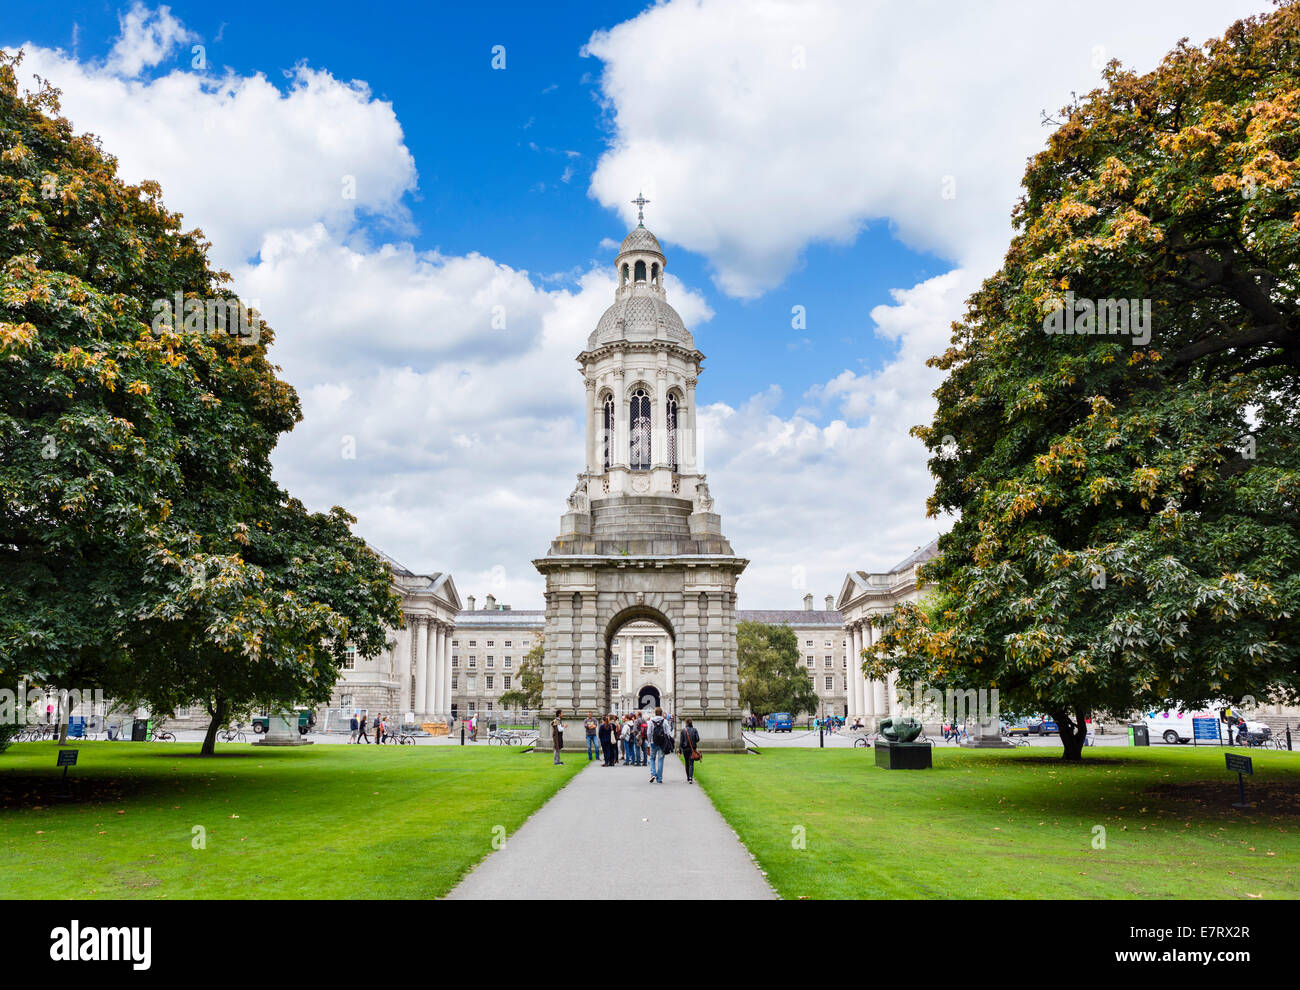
640, 311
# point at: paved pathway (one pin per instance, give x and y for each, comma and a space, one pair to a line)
610, 829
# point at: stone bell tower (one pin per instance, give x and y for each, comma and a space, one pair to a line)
640, 539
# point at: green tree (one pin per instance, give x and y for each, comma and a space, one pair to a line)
144, 546
771, 679
528, 694
1128, 534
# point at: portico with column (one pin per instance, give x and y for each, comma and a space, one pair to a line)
864, 595
413, 675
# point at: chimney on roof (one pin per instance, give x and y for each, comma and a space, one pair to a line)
471, 603
491, 605
830, 603
807, 602
505, 608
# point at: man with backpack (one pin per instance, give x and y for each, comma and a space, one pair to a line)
661, 744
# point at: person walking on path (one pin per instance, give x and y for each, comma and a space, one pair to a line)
379, 729
625, 734
590, 727
352, 736
557, 735
661, 744
690, 749
361, 730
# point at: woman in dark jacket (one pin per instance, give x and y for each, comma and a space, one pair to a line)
690, 742
603, 732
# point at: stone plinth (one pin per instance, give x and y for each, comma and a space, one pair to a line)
904, 756
987, 735
282, 730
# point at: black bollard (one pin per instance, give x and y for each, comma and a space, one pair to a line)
462, 733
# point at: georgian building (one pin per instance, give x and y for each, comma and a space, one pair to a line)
414, 673
864, 595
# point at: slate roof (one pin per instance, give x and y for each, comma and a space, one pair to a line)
792, 617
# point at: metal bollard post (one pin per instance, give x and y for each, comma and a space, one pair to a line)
462, 733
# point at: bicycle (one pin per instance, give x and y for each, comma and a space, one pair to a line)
163, 735
399, 738
866, 740
1018, 740
503, 738
232, 734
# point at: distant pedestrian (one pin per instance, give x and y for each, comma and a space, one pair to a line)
602, 732
690, 749
361, 730
661, 743
591, 726
379, 728
557, 735
352, 735
642, 740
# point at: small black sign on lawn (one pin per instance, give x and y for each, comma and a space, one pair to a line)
1240, 765
67, 758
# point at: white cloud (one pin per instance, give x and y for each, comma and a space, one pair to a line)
237, 156
467, 435
146, 39
758, 129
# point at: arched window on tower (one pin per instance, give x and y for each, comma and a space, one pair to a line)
639, 458
638, 273
654, 274
609, 430
625, 270
672, 430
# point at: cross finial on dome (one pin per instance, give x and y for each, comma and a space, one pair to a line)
640, 203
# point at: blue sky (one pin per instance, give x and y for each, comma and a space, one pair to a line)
858, 158
505, 158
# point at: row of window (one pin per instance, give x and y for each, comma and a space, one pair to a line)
456, 642
472, 662
489, 682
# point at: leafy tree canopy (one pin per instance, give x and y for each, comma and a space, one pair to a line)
771, 679
1128, 533
144, 546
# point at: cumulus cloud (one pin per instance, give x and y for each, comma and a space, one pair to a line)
758, 129
235, 154
147, 38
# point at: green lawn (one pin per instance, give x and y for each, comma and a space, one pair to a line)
317, 822
1014, 824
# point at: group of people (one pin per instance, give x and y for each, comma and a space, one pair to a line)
360, 721
639, 741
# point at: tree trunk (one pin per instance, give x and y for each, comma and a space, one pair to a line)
219, 712
1073, 733
63, 717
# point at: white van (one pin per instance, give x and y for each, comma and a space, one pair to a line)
1173, 726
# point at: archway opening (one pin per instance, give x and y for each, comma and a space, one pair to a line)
640, 668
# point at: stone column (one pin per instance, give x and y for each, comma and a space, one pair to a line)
437, 637
594, 416
686, 442
855, 672
421, 665
586, 692
659, 436
402, 667
622, 424
444, 698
